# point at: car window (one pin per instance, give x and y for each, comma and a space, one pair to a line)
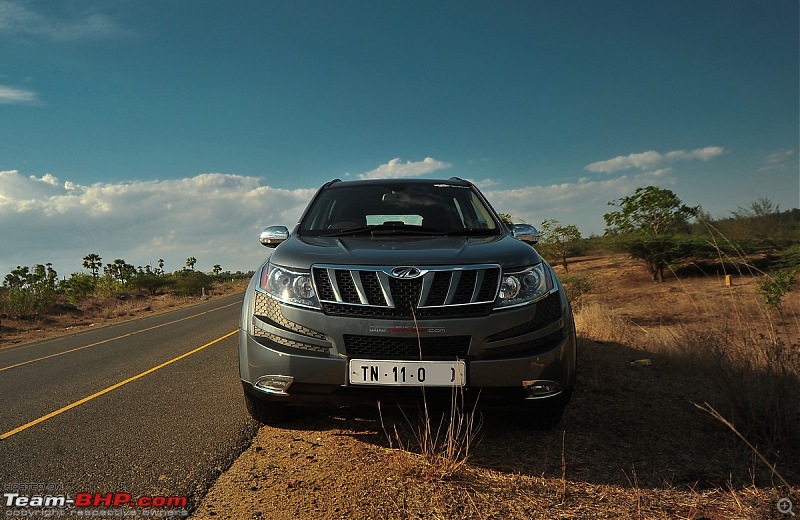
430, 207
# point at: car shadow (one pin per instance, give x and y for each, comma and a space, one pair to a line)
629, 424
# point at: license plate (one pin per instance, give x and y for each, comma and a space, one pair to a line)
407, 373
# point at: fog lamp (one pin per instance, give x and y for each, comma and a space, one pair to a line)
541, 388
274, 384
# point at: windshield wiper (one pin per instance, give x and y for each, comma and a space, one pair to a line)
462, 232
346, 232
383, 229
395, 229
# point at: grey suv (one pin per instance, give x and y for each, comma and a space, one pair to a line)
386, 286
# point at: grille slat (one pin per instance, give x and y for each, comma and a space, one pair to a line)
372, 288
446, 291
347, 288
465, 288
441, 283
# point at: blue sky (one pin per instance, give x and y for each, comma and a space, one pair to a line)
166, 129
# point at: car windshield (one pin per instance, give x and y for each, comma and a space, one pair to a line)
399, 209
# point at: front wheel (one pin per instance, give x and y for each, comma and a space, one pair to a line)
547, 415
545, 418
265, 412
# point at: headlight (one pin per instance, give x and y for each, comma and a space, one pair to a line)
524, 286
288, 286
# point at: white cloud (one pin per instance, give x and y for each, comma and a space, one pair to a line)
213, 217
652, 159
11, 95
397, 169
702, 154
779, 161
484, 183
16, 18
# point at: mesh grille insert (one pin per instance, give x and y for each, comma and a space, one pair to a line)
389, 347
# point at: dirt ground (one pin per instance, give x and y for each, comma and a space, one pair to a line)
632, 443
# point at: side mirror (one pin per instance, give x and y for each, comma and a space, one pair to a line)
273, 235
526, 233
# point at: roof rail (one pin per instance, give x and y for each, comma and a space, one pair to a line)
459, 179
334, 181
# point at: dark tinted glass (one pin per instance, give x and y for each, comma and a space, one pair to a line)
414, 208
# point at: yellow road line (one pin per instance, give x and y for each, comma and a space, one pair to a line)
113, 339
110, 388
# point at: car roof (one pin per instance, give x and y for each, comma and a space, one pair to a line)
453, 181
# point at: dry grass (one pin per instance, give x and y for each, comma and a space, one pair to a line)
441, 441
725, 333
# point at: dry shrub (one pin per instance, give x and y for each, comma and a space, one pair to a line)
601, 323
441, 447
578, 285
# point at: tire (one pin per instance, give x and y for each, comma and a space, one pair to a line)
267, 413
546, 418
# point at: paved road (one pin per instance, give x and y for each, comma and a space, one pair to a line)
168, 431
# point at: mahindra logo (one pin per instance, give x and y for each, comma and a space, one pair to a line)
406, 272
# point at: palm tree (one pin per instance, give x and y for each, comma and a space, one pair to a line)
217, 269
52, 275
161, 265
122, 270
190, 262
93, 262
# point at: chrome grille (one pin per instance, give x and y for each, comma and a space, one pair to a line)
438, 291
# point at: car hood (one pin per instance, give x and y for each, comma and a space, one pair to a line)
303, 252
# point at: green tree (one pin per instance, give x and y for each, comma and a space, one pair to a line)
93, 263
761, 207
121, 270
190, 262
217, 269
763, 224
190, 283
650, 211
17, 277
649, 222
507, 219
78, 287
151, 282
558, 240
30, 291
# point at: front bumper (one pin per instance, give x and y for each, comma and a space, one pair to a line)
501, 364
